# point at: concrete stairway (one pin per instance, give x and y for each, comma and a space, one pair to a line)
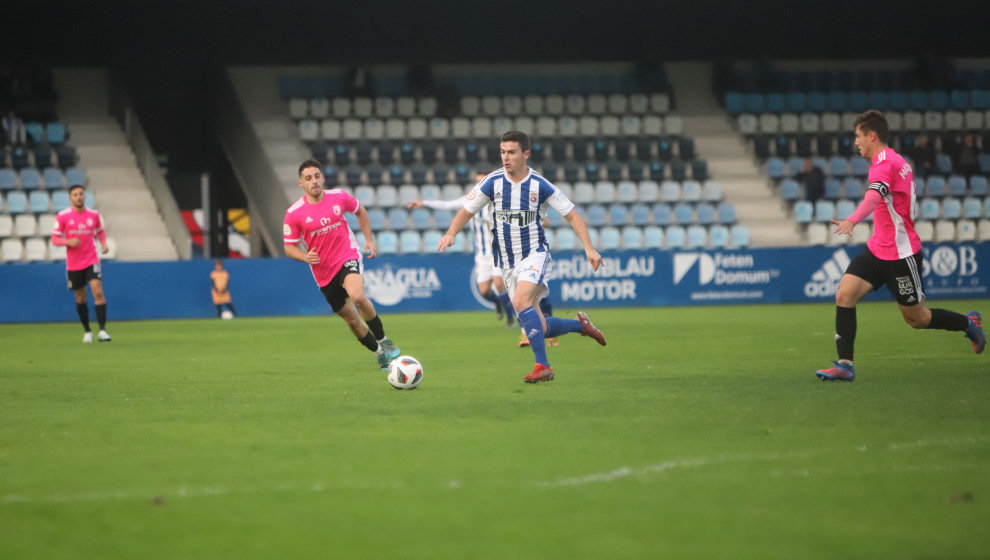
121, 194
729, 161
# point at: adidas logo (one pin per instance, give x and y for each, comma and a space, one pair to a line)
825, 281
309, 220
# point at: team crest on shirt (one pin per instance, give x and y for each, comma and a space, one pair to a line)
336, 210
472, 195
533, 197
89, 221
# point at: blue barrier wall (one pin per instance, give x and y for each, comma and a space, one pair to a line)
268, 287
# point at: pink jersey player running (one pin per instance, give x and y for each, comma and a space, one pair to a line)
77, 228
332, 252
893, 253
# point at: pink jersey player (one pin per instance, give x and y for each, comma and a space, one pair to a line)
83, 224
323, 227
893, 218
75, 229
893, 255
333, 255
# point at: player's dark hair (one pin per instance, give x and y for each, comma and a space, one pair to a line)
516, 136
873, 121
74, 187
309, 163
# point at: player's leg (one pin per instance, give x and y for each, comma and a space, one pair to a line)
528, 284
344, 307
851, 290
907, 285
100, 305
502, 293
76, 280
354, 286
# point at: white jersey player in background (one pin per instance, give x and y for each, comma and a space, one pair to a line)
519, 246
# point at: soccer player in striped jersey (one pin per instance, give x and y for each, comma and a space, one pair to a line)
75, 228
517, 195
893, 253
334, 257
490, 284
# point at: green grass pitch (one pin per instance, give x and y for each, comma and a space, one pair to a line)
697, 433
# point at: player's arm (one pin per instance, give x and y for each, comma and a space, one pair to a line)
870, 201
365, 224
456, 225
308, 257
579, 227
101, 236
60, 239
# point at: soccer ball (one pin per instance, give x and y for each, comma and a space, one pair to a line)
405, 372
227, 315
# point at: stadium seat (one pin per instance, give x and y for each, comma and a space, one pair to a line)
817, 234
11, 250
978, 185
388, 242
930, 209
39, 201
844, 208
804, 212
8, 179
626, 192
566, 239
676, 237
605, 192
25, 225
957, 185
712, 191
951, 209
17, 202
691, 191
610, 238
386, 196
965, 230
972, 208
697, 237
410, 242
35, 249
983, 230
618, 215
30, 178
398, 219
935, 186
377, 218
6, 225
60, 201
632, 237
790, 190
705, 213
670, 191
597, 215
641, 214
649, 191
945, 230
925, 230
726, 213
683, 213
719, 236
653, 237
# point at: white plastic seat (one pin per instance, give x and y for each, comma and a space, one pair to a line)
660, 102
319, 107
330, 129
352, 129
439, 128
11, 250
554, 104
588, 125
405, 106
639, 103
309, 129
631, 125
426, 106
597, 104
512, 105
35, 249
470, 105
25, 225
298, 108
574, 104
945, 230
491, 105
618, 103
533, 105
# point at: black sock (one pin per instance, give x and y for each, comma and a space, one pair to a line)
101, 315
845, 331
83, 310
219, 307
375, 324
546, 307
230, 306
369, 341
948, 320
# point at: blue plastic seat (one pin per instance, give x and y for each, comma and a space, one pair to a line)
859, 166
565, 239
398, 219
790, 190
410, 242
852, 188
652, 237
60, 201
676, 237
951, 208
957, 185
662, 214
718, 237
632, 237
706, 213
388, 242
683, 213
972, 209
739, 234
804, 211
52, 177
833, 188
39, 201
377, 218
691, 191
935, 186
930, 209
597, 215
726, 213
30, 178
844, 208
618, 215
978, 185
838, 166
610, 238
8, 179
776, 168
640, 214
17, 202
824, 210
697, 237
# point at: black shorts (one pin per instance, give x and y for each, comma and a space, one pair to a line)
902, 277
78, 279
334, 292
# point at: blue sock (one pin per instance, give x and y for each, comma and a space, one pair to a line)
490, 296
529, 318
503, 298
557, 326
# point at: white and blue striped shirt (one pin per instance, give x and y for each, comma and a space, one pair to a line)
517, 211
480, 224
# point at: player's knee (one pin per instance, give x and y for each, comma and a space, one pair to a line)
916, 322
